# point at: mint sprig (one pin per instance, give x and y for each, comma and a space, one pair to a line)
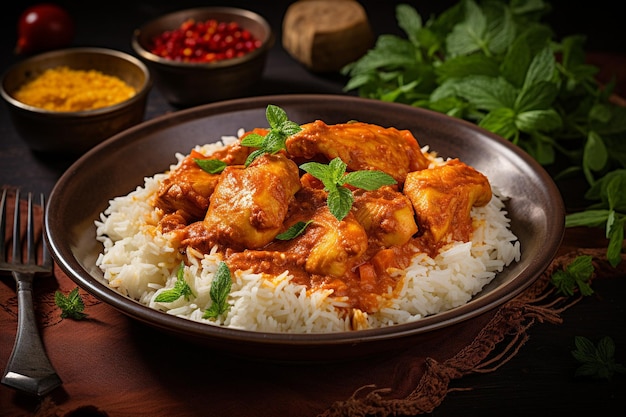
597, 362
71, 306
180, 289
334, 177
220, 289
574, 276
280, 129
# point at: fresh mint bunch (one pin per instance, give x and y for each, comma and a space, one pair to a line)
496, 64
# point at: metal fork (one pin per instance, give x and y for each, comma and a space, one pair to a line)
29, 368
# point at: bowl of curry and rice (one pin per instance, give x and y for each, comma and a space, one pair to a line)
66, 101
305, 227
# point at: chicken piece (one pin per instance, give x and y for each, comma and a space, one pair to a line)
361, 146
327, 247
249, 205
236, 153
386, 215
443, 198
187, 189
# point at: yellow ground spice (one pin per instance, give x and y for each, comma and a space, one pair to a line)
64, 89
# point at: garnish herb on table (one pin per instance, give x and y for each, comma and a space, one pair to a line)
596, 362
496, 64
71, 305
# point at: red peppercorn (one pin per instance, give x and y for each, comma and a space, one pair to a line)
207, 41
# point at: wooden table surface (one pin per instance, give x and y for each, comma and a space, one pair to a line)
539, 380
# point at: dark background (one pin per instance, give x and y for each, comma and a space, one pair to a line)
599, 20
539, 378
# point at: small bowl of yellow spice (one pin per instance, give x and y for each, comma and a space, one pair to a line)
69, 100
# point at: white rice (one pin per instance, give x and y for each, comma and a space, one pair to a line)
140, 262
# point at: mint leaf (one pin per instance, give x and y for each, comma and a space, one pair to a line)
468, 36
538, 120
591, 218
294, 231
340, 200
212, 166
409, 21
487, 93
220, 289
180, 289
368, 180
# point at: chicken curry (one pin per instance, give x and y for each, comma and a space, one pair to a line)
244, 208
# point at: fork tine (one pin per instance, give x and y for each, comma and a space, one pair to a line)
3, 221
17, 241
31, 248
46, 256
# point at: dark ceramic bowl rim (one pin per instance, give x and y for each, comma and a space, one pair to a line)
139, 94
143, 52
198, 331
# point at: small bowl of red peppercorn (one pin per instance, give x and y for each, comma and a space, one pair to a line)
205, 54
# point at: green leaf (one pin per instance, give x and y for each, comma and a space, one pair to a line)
516, 62
539, 96
254, 155
467, 65
542, 68
538, 120
616, 191
590, 218
597, 362
500, 121
469, 36
409, 21
274, 141
486, 92
368, 180
294, 231
220, 290
333, 176
616, 239
501, 31
253, 140
72, 305
339, 202
574, 276
212, 166
180, 289
595, 155
275, 116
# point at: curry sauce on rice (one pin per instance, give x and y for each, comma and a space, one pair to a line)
321, 228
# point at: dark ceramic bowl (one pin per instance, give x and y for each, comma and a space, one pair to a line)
185, 84
119, 165
75, 132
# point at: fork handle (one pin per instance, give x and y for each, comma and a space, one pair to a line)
29, 368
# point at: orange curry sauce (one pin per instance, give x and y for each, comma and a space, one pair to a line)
242, 209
